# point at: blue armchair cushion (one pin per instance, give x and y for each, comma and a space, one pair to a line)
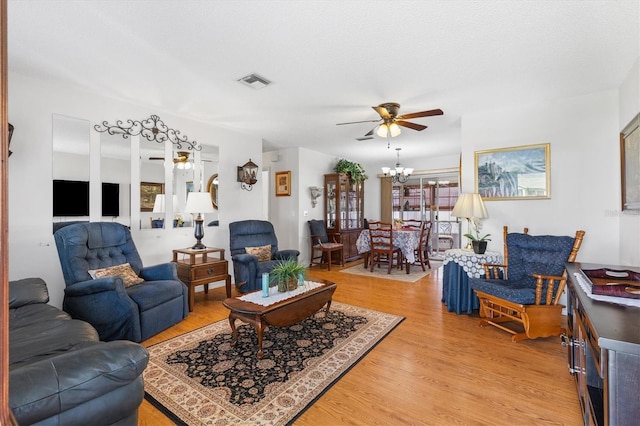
527, 255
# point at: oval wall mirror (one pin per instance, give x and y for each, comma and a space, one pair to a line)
212, 186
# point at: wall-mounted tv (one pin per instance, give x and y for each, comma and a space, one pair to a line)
110, 199
70, 198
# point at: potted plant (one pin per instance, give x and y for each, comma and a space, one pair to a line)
354, 170
397, 223
285, 274
479, 243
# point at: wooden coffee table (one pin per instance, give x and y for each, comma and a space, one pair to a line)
280, 314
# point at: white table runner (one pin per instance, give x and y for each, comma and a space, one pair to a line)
275, 296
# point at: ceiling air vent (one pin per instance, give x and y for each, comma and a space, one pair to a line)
255, 81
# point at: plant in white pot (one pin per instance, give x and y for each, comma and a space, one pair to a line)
286, 273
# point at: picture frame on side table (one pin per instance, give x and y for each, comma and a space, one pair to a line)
148, 192
517, 173
283, 183
630, 165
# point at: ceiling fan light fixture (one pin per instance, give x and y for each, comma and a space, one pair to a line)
383, 130
394, 129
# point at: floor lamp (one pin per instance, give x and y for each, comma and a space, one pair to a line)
469, 205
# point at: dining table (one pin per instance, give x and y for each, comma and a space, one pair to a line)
406, 240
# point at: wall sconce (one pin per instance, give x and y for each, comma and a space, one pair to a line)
316, 191
247, 175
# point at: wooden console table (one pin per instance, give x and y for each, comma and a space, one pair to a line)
195, 268
603, 341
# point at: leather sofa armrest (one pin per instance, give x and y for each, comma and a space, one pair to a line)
48, 387
27, 291
163, 271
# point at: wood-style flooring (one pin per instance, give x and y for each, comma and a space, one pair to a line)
435, 368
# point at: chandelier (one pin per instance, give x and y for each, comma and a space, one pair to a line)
398, 174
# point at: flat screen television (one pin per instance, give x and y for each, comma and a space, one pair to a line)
70, 198
110, 199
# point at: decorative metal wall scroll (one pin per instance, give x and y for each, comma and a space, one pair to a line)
152, 129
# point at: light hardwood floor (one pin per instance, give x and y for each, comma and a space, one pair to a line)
435, 368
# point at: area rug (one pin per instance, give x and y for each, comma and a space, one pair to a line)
415, 272
198, 378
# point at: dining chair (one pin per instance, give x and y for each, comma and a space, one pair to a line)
444, 236
382, 249
422, 250
322, 249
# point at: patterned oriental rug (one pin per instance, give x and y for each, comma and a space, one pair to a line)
199, 378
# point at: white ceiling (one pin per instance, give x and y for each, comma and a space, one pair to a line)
329, 61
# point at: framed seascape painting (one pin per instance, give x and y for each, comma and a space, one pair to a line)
283, 183
630, 165
517, 173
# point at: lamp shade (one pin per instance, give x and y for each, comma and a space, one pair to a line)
469, 205
199, 202
382, 131
159, 205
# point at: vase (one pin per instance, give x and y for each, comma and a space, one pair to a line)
479, 247
292, 283
283, 286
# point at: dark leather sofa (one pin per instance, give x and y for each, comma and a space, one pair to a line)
60, 373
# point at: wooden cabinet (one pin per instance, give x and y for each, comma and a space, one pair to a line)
344, 211
195, 268
603, 342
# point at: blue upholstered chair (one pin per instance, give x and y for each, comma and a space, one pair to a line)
134, 313
527, 288
247, 268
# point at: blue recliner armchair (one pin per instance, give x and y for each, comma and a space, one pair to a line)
247, 269
134, 313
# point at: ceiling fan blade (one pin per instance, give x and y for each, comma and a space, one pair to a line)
413, 126
421, 114
370, 132
356, 122
382, 111
156, 158
364, 138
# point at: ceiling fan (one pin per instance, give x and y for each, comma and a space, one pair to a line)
181, 161
391, 121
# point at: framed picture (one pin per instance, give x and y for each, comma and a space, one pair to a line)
283, 183
630, 165
148, 192
517, 173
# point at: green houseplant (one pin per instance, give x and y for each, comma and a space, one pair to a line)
285, 274
355, 170
479, 243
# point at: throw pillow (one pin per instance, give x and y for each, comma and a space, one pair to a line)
124, 271
263, 252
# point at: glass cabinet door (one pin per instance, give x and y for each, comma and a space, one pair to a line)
331, 186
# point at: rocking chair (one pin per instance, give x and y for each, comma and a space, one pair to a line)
527, 288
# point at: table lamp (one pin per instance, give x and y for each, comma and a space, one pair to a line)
469, 205
198, 203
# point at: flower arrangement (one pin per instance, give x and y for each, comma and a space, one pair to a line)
397, 223
477, 225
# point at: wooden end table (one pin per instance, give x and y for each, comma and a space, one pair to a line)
195, 269
280, 314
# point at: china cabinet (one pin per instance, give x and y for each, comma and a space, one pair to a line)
344, 211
